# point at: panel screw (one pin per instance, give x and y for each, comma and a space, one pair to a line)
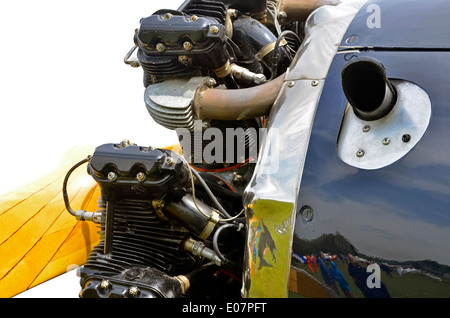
140, 176
366, 128
170, 162
214, 29
291, 84
307, 213
105, 284
406, 137
386, 141
315, 83
360, 153
160, 47
112, 176
133, 291
193, 18
187, 46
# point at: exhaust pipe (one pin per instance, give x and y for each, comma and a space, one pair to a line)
367, 88
299, 10
236, 104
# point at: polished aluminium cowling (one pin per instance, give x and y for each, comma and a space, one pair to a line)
271, 196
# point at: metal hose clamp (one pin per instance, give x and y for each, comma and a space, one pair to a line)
213, 220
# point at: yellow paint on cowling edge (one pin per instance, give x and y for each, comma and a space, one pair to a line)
269, 267
39, 239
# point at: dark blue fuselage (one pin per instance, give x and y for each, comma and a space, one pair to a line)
399, 215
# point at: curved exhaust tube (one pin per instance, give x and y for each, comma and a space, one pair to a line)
236, 104
299, 10
367, 88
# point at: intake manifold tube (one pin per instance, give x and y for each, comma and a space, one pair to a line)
236, 104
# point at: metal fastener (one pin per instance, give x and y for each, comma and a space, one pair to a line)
282, 15
193, 18
105, 284
170, 162
147, 149
237, 179
360, 153
158, 203
291, 83
123, 144
210, 82
406, 137
205, 125
112, 176
386, 141
315, 83
307, 213
140, 176
187, 46
133, 291
366, 128
168, 15
160, 47
185, 60
214, 29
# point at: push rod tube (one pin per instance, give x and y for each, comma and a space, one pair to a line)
236, 104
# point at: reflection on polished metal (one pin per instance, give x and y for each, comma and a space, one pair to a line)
343, 274
270, 198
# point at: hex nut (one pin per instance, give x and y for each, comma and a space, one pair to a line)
187, 46
133, 291
160, 47
214, 29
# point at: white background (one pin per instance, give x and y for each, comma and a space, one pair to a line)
63, 84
